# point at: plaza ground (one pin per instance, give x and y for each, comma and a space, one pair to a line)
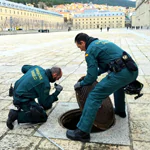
58, 48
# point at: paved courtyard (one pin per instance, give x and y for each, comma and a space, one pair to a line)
58, 48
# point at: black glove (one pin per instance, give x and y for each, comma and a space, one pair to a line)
77, 85
58, 87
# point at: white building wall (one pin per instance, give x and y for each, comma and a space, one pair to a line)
143, 13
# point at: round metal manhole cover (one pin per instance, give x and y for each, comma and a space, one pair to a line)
105, 116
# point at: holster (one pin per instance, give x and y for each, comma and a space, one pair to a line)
116, 65
129, 62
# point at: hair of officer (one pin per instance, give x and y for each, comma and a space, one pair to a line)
81, 37
56, 70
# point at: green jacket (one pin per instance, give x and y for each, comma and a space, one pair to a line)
98, 54
35, 84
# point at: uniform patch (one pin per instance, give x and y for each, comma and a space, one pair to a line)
97, 42
38, 73
86, 55
33, 75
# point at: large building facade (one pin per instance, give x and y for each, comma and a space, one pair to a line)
14, 16
93, 19
142, 16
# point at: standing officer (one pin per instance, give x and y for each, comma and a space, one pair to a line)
34, 84
102, 56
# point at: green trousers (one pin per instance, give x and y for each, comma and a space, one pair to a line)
112, 83
25, 115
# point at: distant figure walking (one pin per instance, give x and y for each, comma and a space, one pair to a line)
108, 29
101, 29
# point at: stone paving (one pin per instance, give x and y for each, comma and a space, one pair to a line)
58, 48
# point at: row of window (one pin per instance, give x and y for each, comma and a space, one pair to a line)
97, 19
97, 22
21, 19
24, 19
21, 13
95, 27
92, 15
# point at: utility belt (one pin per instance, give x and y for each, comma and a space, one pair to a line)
18, 103
124, 62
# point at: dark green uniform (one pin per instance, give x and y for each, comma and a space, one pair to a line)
33, 84
99, 53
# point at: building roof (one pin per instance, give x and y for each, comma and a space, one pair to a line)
26, 8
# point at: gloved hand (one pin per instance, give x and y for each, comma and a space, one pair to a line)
58, 87
77, 85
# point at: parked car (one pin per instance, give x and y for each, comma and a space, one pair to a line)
43, 30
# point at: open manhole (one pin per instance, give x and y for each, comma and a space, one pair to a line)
105, 117
70, 119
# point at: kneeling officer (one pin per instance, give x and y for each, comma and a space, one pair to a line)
34, 84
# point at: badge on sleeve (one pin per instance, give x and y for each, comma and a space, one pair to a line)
86, 55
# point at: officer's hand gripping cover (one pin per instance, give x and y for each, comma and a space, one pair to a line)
77, 85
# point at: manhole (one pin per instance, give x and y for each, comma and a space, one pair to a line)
117, 134
70, 119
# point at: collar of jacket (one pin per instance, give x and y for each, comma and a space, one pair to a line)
89, 40
49, 74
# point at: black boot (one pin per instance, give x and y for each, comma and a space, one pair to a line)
12, 116
121, 114
78, 135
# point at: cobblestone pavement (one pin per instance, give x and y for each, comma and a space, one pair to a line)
47, 49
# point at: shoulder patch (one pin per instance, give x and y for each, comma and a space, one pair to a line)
86, 55
97, 42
